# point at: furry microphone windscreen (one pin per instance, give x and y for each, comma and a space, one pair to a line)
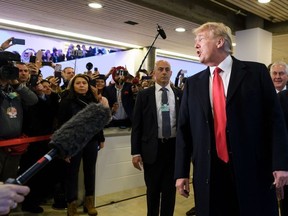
79, 130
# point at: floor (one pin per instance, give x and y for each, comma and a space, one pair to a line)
130, 202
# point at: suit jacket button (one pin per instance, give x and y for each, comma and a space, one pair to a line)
207, 181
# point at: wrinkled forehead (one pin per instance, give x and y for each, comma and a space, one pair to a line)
163, 65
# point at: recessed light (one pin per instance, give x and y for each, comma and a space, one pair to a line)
95, 5
180, 29
264, 1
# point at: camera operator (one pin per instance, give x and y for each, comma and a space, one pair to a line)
39, 120
13, 96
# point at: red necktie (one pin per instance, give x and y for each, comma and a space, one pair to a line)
219, 108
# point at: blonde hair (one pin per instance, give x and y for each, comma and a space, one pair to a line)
218, 30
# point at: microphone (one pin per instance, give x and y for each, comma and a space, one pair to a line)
161, 32
68, 140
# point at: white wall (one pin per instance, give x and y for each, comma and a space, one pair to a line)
176, 65
114, 171
254, 45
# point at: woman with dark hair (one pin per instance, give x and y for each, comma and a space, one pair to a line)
78, 97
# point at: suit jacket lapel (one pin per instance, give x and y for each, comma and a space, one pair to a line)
152, 101
177, 101
203, 87
237, 74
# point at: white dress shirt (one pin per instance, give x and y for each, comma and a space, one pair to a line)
226, 66
171, 102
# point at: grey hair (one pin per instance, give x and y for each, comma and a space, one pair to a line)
279, 63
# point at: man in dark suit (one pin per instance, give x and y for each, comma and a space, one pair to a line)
236, 178
121, 98
152, 149
279, 74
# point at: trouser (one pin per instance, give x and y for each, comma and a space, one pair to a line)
284, 203
8, 165
159, 180
89, 156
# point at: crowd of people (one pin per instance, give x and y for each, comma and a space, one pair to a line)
73, 52
36, 106
226, 121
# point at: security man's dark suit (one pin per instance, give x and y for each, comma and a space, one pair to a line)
158, 155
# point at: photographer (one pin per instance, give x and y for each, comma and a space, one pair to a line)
120, 98
13, 96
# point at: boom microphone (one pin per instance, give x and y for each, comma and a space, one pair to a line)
161, 32
68, 140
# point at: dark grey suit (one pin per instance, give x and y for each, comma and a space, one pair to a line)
158, 157
257, 141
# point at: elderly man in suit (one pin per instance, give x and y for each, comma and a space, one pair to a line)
279, 75
231, 122
153, 140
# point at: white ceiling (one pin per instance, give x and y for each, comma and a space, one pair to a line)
75, 16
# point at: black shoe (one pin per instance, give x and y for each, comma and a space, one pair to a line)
191, 212
32, 208
59, 206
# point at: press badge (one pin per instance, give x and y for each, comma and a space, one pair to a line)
12, 112
165, 108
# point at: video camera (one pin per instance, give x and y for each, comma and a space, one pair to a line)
8, 71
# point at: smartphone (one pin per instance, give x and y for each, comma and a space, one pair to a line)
33, 80
183, 71
93, 82
57, 73
18, 41
46, 63
32, 59
58, 67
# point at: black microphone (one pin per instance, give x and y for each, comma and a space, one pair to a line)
68, 140
161, 32
163, 35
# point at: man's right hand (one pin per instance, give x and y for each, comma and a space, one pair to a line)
10, 196
137, 162
182, 186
